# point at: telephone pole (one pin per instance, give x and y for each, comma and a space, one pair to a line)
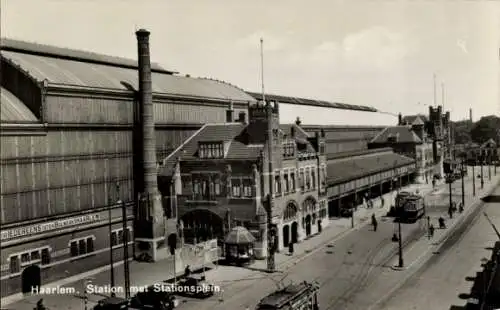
271, 234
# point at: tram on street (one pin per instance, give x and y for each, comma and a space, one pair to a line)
302, 296
413, 208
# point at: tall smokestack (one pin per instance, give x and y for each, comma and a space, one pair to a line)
470, 115
146, 102
150, 218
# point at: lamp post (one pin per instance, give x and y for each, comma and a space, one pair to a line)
125, 250
481, 161
489, 165
463, 183
449, 178
400, 245
111, 259
473, 178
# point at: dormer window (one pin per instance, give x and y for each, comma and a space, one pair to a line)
288, 149
211, 150
392, 138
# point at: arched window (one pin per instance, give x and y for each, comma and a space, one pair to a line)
309, 205
290, 211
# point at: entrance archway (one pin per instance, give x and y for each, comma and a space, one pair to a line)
295, 232
286, 235
201, 225
31, 278
308, 225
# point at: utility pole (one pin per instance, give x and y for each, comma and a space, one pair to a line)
473, 178
111, 259
463, 183
125, 251
489, 165
481, 162
270, 201
400, 245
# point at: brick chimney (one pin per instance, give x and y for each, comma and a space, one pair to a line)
149, 219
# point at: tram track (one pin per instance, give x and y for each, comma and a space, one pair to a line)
363, 275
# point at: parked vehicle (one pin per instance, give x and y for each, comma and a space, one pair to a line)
113, 303
154, 298
194, 286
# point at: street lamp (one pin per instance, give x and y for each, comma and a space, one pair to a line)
463, 183
449, 179
489, 165
481, 161
474, 176
399, 239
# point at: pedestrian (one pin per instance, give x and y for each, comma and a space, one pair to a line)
431, 230
461, 208
442, 224
450, 212
382, 201
290, 248
187, 271
374, 222
39, 305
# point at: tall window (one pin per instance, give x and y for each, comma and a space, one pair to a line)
292, 181
302, 179
217, 186
196, 187
14, 264
277, 182
45, 256
313, 178
236, 187
211, 149
247, 188
322, 149
286, 182
308, 179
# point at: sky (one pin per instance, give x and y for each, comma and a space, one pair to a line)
380, 53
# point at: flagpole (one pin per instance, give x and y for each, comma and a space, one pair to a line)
262, 69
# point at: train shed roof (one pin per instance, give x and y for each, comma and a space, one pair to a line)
69, 67
13, 110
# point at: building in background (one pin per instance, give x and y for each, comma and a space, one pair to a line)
219, 177
70, 153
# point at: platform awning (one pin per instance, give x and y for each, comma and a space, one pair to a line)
347, 169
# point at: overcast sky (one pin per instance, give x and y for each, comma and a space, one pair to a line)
376, 53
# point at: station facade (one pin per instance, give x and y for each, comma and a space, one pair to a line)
69, 162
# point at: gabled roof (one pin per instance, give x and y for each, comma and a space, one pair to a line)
489, 143
312, 102
13, 110
418, 119
235, 135
402, 134
83, 69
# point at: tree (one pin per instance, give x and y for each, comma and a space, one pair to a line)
462, 131
488, 127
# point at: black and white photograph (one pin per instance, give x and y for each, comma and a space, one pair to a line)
250, 155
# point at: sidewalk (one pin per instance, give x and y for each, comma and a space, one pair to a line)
142, 274
423, 247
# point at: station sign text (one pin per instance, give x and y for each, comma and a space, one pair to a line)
47, 226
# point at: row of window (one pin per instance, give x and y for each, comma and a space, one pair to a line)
78, 247
211, 150
37, 256
285, 183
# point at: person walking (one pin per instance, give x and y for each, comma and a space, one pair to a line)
431, 230
374, 222
187, 271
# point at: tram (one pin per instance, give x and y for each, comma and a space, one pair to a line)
413, 208
302, 296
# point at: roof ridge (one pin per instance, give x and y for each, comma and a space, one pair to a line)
47, 50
